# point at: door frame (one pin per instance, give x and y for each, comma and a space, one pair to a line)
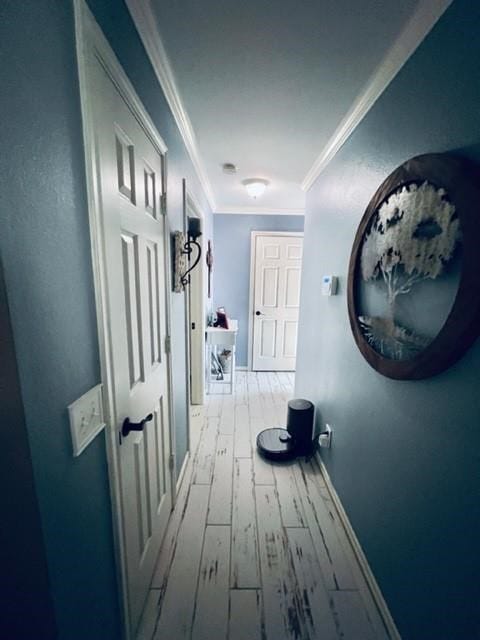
90, 40
190, 207
196, 311
251, 296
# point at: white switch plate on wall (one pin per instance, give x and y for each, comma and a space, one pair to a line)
86, 419
329, 285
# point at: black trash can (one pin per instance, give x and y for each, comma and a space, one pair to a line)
296, 440
300, 416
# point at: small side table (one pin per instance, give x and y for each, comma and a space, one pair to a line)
216, 337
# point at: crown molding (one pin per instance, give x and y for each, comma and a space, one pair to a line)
259, 211
146, 25
194, 204
417, 27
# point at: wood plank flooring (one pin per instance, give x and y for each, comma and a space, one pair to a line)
255, 551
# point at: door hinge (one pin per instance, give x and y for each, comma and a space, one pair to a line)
163, 204
193, 326
168, 344
171, 462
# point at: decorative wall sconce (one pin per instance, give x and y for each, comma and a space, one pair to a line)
183, 251
209, 267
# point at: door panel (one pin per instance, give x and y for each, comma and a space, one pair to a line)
290, 339
270, 287
133, 314
271, 252
130, 175
150, 191
294, 252
125, 164
276, 294
153, 285
268, 341
292, 287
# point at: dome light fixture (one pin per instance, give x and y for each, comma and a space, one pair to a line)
255, 186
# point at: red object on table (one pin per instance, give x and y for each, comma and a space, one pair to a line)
222, 319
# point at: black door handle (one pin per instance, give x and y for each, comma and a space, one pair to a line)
128, 426
259, 313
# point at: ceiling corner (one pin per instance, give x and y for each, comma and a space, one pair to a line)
416, 29
145, 23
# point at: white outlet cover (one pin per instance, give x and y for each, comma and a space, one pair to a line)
86, 419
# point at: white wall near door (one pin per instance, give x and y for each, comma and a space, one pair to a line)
274, 300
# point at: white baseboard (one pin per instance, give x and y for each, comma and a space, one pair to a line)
242, 368
360, 556
182, 471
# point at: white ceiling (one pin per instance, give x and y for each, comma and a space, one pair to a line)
274, 86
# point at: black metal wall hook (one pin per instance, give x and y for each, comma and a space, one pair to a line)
128, 426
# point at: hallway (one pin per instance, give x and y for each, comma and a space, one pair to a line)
255, 551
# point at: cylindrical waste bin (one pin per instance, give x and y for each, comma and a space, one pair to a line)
300, 417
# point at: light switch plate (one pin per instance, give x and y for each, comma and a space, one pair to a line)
86, 419
329, 285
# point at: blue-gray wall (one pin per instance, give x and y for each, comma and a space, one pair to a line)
231, 267
405, 459
45, 249
27, 606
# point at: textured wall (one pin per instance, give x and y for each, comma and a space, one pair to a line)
46, 254
231, 269
45, 249
22, 552
405, 457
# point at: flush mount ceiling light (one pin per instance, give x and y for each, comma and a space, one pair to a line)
255, 186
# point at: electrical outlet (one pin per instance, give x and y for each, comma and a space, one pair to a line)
86, 419
325, 438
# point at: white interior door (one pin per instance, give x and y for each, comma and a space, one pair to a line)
196, 314
276, 298
130, 183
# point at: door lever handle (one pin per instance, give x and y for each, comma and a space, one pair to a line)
128, 426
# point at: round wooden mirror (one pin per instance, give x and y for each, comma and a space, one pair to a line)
414, 274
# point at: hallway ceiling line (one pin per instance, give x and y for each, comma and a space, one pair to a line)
418, 26
420, 22
145, 22
264, 211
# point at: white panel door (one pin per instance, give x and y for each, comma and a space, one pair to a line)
276, 297
130, 182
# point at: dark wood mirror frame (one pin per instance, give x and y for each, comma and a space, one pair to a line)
461, 180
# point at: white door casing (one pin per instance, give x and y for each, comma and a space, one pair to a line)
130, 178
194, 328
276, 270
196, 314
125, 162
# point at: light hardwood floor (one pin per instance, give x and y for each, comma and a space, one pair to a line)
255, 551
